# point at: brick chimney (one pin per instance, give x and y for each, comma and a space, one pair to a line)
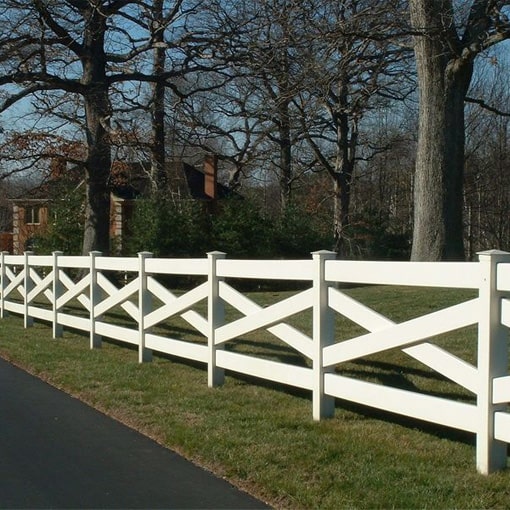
211, 176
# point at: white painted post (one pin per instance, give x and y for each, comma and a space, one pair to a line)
216, 317
95, 298
491, 455
144, 307
3, 285
28, 285
323, 335
57, 292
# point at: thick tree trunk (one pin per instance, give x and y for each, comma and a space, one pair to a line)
342, 175
341, 212
97, 210
443, 79
97, 111
438, 225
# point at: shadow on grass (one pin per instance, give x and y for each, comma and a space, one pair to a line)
395, 368
433, 429
397, 376
366, 412
267, 350
388, 374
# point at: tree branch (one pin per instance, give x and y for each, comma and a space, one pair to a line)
57, 29
485, 106
43, 82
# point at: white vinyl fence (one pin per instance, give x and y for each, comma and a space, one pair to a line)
40, 287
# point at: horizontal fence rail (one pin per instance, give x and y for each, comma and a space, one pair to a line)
129, 299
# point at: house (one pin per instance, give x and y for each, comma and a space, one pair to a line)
129, 183
29, 218
6, 241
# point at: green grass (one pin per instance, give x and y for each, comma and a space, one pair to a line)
261, 436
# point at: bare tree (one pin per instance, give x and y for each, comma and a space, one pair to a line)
449, 37
356, 66
254, 114
487, 158
304, 76
222, 120
89, 48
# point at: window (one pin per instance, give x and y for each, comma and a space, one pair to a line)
32, 215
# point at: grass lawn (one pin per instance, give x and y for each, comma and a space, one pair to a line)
261, 436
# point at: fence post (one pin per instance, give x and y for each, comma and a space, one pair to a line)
491, 455
28, 285
3, 285
216, 317
57, 292
144, 307
95, 298
323, 335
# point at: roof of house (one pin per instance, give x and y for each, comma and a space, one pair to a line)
195, 180
130, 181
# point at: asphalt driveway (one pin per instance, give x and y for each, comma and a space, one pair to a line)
56, 452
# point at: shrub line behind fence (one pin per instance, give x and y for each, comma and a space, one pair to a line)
43, 288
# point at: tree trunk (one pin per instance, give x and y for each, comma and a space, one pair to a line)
158, 170
341, 220
97, 111
346, 139
443, 79
285, 156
